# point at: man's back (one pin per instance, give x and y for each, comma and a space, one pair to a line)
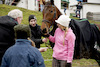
6, 33
22, 54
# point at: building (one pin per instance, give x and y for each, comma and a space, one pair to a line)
34, 4
59, 5
27, 4
88, 5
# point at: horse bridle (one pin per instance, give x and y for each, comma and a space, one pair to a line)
51, 24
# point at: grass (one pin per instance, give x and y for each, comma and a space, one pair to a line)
4, 9
84, 62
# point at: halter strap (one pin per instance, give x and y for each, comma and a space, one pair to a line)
47, 25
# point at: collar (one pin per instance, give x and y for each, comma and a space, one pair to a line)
34, 28
23, 40
13, 19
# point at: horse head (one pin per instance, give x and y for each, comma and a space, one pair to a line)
50, 14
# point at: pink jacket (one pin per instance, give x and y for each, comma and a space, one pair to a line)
60, 51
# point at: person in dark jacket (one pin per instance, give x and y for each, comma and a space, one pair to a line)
7, 23
79, 7
65, 7
36, 31
22, 53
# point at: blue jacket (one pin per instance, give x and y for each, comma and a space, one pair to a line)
22, 54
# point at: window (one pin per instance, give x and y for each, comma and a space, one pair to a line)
84, 0
64, 3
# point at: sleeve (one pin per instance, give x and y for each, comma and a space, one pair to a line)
52, 38
40, 61
37, 59
71, 44
4, 62
37, 41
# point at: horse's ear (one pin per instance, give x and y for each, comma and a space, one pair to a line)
43, 2
52, 2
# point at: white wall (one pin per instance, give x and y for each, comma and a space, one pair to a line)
86, 7
73, 2
23, 4
33, 5
93, 1
28, 4
58, 5
89, 8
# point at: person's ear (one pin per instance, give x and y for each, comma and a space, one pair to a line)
19, 19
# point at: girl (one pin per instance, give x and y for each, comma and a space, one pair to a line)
64, 40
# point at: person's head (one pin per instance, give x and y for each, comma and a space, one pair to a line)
63, 22
16, 14
79, 1
22, 31
32, 20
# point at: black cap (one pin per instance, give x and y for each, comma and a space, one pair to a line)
32, 17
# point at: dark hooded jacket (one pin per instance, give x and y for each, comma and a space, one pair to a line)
36, 35
6, 33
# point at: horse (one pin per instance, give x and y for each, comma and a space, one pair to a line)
50, 14
48, 22
86, 34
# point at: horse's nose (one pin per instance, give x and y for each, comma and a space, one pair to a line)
44, 30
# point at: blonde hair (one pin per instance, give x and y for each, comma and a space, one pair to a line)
66, 29
15, 13
32, 42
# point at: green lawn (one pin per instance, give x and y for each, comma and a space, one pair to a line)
4, 9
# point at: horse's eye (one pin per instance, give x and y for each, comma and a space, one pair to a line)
51, 11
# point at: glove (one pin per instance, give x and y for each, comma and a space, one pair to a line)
69, 65
47, 35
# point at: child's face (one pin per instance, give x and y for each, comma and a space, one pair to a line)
32, 22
